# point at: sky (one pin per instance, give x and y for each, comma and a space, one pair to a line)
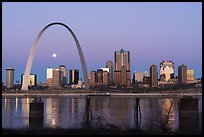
152, 32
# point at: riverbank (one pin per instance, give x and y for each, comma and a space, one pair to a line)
82, 93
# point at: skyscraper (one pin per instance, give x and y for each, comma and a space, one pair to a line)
99, 76
65, 75
122, 63
153, 76
57, 78
73, 76
92, 78
105, 77
32, 79
166, 70
182, 74
123, 75
54, 78
109, 65
9, 77
190, 74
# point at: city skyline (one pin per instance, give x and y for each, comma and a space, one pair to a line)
176, 32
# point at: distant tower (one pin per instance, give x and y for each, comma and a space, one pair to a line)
9, 77
182, 74
64, 75
122, 58
109, 65
153, 76
73, 76
166, 70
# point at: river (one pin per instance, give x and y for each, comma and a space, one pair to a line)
73, 112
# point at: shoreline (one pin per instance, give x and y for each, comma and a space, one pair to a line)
81, 93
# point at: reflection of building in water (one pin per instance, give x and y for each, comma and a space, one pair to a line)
36, 113
25, 111
101, 108
150, 113
16, 104
8, 111
48, 108
170, 113
55, 112
188, 115
137, 114
121, 109
106, 108
52, 111
111, 110
63, 111
75, 111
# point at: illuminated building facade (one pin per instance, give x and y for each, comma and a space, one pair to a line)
190, 74
73, 76
166, 70
32, 79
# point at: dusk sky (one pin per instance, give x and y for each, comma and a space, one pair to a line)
152, 32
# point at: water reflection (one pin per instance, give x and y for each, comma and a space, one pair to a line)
137, 115
36, 113
88, 113
188, 115
147, 114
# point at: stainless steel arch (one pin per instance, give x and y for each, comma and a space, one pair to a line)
32, 53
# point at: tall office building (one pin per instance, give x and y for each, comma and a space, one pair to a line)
182, 74
153, 76
166, 70
106, 74
122, 64
92, 78
99, 76
9, 77
54, 78
109, 65
65, 75
49, 77
123, 76
57, 78
190, 74
105, 77
73, 76
32, 79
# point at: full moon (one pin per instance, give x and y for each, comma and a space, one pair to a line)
54, 55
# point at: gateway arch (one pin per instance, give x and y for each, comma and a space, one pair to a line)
32, 53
